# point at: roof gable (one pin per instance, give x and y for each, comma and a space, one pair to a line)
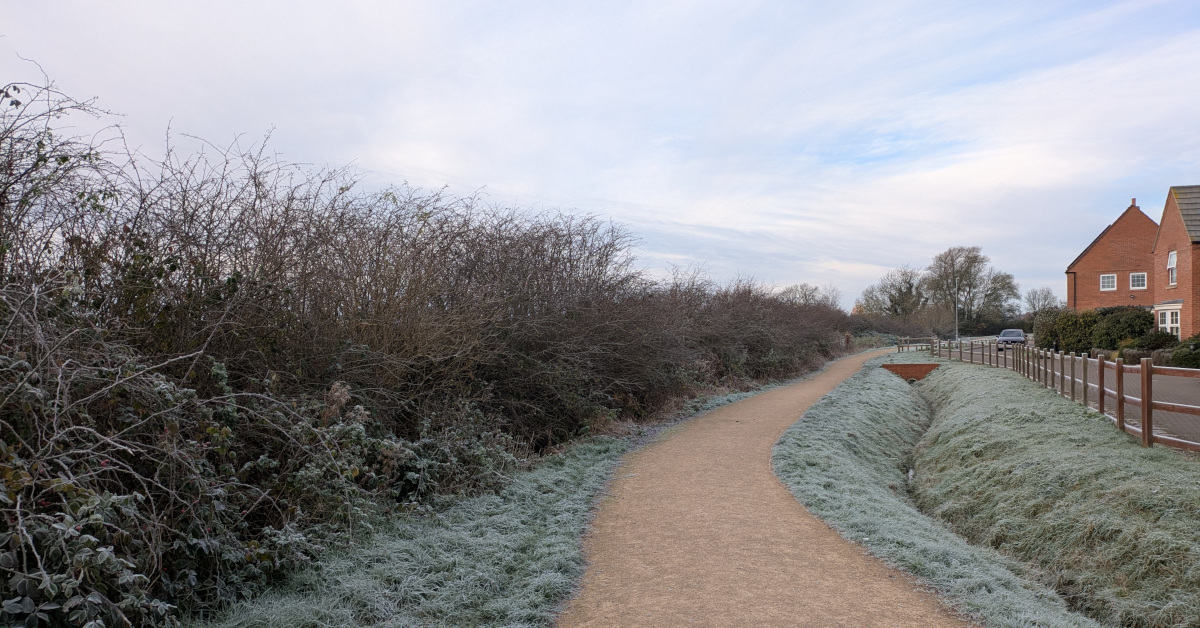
1187, 198
1132, 213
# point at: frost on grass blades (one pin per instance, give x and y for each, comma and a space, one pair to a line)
1110, 525
496, 560
847, 461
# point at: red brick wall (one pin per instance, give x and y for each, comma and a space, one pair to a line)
1123, 249
911, 371
1173, 237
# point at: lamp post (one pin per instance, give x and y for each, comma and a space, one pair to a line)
955, 271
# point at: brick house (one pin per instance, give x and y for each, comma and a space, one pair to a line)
1118, 267
1176, 286
1137, 262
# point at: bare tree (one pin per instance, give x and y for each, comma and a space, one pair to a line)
808, 294
1038, 299
899, 293
962, 278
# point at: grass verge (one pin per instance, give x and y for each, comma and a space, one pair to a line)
847, 461
1111, 526
509, 559
496, 560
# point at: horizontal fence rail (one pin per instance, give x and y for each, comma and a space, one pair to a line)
913, 344
1166, 398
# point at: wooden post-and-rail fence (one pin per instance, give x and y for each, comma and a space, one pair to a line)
1080, 378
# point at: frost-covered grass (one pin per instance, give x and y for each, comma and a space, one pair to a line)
847, 461
496, 560
1114, 527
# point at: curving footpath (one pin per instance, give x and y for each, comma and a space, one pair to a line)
697, 531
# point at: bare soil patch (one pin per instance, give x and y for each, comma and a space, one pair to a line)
697, 530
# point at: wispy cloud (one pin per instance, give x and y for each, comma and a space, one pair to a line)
791, 141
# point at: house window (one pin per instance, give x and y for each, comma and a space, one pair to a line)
1171, 268
1137, 281
1108, 282
1168, 321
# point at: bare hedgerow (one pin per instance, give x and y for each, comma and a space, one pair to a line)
216, 363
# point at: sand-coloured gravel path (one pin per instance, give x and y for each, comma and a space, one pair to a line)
697, 531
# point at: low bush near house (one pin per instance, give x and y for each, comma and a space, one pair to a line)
1065, 330
1118, 324
1109, 329
1187, 354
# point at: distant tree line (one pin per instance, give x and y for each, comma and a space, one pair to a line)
958, 284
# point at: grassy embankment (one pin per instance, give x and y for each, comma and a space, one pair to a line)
847, 461
1044, 494
1108, 524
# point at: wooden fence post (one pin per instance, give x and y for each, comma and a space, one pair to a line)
960, 351
1051, 376
1120, 386
1100, 382
1042, 368
1056, 380
1147, 402
1043, 374
1072, 376
1086, 366
1062, 373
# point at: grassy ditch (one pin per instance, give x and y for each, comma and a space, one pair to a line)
495, 560
847, 461
1111, 526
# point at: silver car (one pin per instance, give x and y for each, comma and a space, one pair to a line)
1010, 337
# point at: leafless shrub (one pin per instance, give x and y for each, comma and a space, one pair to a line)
214, 364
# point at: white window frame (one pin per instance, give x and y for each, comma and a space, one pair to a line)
1133, 286
1171, 259
1168, 318
1112, 276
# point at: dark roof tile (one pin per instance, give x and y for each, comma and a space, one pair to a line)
1187, 197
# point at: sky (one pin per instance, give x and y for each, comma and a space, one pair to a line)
817, 142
